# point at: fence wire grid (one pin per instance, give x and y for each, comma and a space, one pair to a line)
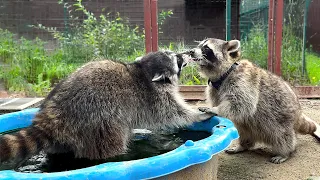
41, 42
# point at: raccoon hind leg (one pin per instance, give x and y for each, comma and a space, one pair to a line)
246, 142
284, 146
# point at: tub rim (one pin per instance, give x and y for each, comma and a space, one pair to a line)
188, 154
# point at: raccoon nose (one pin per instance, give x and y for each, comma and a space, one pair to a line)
191, 52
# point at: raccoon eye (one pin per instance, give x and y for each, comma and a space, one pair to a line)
206, 47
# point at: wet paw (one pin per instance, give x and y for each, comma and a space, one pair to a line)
278, 159
203, 109
234, 150
208, 110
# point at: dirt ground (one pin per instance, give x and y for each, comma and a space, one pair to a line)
250, 165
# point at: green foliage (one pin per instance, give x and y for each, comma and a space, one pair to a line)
163, 15
28, 66
102, 36
255, 48
313, 68
190, 74
32, 69
291, 64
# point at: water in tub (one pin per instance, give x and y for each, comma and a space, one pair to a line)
145, 144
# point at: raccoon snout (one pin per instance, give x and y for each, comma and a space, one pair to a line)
191, 52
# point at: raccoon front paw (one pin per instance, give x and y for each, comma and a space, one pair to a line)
235, 150
203, 109
208, 110
278, 159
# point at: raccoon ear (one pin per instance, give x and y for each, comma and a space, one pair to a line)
158, 77
138, 58
233, 46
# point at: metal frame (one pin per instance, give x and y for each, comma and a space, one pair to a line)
278, 36
228, 20
275, 36
151, 25
274, 45
147, 25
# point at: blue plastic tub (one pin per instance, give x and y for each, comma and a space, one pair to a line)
189, 159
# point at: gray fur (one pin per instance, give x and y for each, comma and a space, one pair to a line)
262, 106
93, 112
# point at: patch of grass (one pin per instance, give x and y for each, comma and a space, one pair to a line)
255, 48
29, 67
313, 68
34, 70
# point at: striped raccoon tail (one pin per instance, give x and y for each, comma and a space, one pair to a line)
308, 126
22, 144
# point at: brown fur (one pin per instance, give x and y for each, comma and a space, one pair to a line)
262, 106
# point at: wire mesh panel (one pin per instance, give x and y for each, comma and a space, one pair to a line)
254, 30
312, 38
195, 20
43, 41
300, 60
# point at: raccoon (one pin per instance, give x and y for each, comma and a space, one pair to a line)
263, 107
93, 111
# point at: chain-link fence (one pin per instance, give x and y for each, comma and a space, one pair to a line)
300, 60
43, 41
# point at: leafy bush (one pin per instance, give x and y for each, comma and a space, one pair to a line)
28, 66
313, 68
255, 48
34, 70
101, 36
190, 74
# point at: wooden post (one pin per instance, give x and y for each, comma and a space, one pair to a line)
275, 36
154, 24
278, 37
147, 25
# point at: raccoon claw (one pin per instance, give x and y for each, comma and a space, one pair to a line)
235, 150
203, 109
278, 159
207, 110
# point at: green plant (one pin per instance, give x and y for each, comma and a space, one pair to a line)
313, 68
98, 36
34, 70
255, 46
291, 64
190, 74
7, 45
163, 15
30, 68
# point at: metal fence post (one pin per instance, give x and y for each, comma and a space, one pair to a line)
228, 20
305, 18
271, 36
